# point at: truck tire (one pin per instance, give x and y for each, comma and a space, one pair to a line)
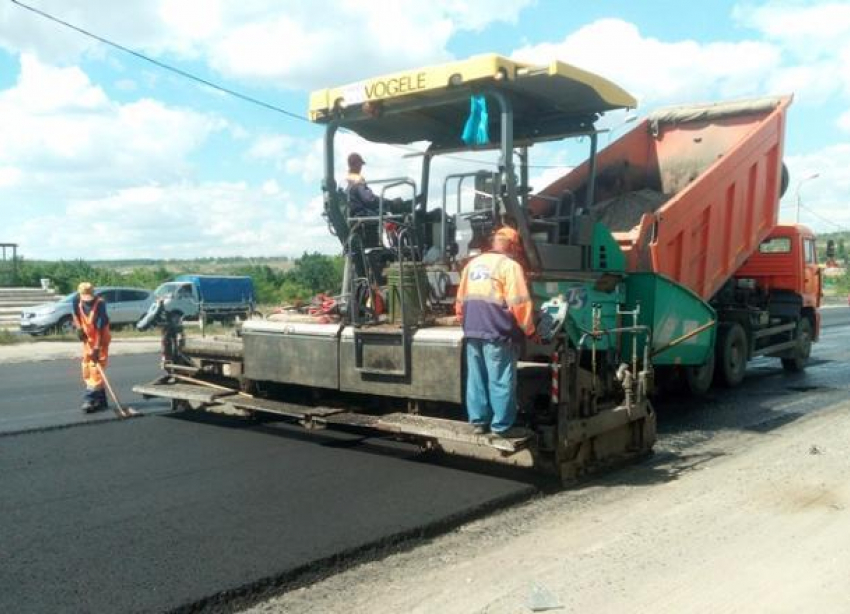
797, 362
698, 379
784, 180
731, 353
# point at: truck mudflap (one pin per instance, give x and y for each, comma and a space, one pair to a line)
449, 436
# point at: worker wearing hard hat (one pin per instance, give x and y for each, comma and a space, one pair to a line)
361, 199
495, 307
92, 324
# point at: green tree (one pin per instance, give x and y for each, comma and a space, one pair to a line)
309, 275
318, 273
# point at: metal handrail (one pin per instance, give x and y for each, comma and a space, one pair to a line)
461, 177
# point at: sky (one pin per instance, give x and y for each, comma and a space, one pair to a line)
104, 155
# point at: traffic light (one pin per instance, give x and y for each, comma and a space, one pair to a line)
830, 249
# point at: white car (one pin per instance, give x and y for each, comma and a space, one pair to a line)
124, 305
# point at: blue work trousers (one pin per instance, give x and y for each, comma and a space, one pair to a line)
491, 383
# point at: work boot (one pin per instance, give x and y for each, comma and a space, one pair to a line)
95, 400
480, 429
515, 432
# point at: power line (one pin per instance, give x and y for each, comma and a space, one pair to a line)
825, 219
163, 65
474, 161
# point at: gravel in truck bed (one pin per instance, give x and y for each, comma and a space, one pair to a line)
623, 212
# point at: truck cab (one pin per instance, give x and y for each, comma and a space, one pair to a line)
786, 268
215, 297
179, 298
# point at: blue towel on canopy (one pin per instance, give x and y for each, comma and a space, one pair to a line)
475, 131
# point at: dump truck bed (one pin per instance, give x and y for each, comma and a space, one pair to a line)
691, 191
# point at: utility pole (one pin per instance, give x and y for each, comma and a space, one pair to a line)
799, 185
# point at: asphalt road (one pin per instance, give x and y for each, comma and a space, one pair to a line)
768, 398
39, 395
165, 512
837, 315
47, 394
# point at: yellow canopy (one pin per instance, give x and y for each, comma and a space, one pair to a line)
432, 103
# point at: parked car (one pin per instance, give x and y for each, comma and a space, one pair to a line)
124, 306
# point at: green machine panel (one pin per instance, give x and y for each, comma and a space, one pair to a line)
671, 311
582, 296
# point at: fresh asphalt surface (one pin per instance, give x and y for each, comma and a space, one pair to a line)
40, 395
167, 511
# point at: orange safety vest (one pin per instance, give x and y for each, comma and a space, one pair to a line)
96, 338
493, 299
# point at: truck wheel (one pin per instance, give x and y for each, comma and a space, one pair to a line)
798, 361
731, 363
698, 379
784, 180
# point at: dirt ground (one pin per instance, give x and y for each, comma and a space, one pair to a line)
745, 522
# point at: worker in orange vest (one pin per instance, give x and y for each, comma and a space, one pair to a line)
496, 310
92, 323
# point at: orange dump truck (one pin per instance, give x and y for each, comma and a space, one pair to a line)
693, 193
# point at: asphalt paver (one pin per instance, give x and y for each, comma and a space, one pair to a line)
167, 512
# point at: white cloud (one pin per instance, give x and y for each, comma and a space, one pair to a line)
811, 84
825, 197
64, 134
270, 146
64, 137
9, 176
287, 45
815, 39
292, 48
809, 30
271, 187
126, 85
133, 23
180, 220
191, 20
303, 159
657, 71
844, 121
42, 89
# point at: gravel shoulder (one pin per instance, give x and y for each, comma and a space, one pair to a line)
744, 522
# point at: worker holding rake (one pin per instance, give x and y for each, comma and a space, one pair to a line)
92, 324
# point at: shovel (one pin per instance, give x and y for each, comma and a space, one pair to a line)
120, 410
